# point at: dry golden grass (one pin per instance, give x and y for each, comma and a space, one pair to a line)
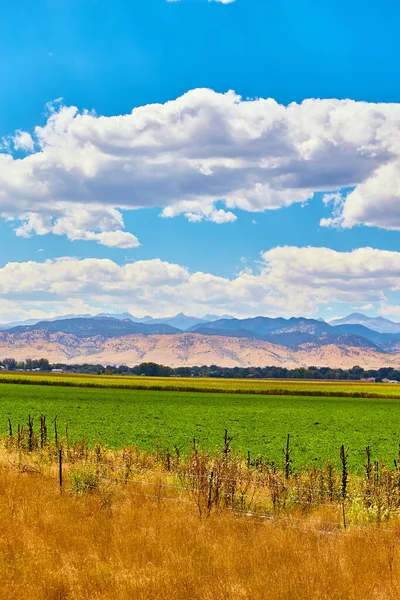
116, 545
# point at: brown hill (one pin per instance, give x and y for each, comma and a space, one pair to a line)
186, 349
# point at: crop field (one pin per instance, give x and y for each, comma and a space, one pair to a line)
259, 424
247, 386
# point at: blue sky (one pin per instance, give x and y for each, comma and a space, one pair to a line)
223, 244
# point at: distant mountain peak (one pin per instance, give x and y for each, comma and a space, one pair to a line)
379, 324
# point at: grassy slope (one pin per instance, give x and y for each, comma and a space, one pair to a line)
258, 423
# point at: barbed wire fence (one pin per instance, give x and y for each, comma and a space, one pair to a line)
251, 492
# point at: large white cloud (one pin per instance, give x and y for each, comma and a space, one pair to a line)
288, 281
186, 155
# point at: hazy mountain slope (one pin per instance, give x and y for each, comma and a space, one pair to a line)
11, 325
379, 324
120, 316
5, 326
27, 322
180, 321
287, 332
295, 338
237, 333
258, 325
183, 349
103, 326
266, 325
387, 342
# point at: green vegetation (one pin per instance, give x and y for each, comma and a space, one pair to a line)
259, 424
151, 369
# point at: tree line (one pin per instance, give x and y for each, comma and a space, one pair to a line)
150, 369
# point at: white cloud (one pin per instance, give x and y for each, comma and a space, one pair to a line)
376, 201
23, 141
367, 306
205, 155
112, 239
82, 223
390, 311
287, 281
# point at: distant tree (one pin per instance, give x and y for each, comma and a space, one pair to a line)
10, 364
183, 372
153, 370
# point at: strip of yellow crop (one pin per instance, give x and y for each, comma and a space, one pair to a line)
256, 386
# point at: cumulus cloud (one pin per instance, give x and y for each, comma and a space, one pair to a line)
22, 140
286, 281
376, 201
94, 223
205, 155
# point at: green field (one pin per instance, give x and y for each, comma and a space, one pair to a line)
259, 424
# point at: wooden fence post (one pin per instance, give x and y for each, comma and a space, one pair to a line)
210, 489
287, 452
60, 470
55, 432
345, 478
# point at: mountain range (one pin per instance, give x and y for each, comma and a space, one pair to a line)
107, 327
184, 340
180, 321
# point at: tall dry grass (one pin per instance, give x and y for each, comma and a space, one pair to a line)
60, 546
132, 525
